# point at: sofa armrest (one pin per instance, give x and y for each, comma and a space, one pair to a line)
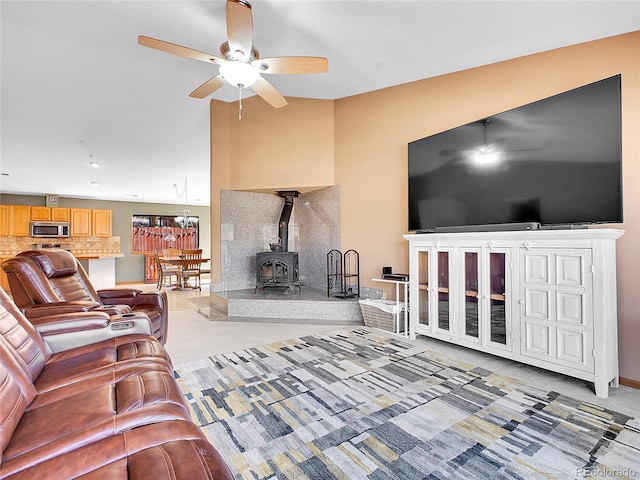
70, 322
117, 295
74, 330
158, 299
56, 308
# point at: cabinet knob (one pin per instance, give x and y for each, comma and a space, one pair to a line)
521, 302
527, 245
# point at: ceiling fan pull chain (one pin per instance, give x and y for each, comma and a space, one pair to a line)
240, 103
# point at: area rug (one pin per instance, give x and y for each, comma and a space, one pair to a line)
359, 404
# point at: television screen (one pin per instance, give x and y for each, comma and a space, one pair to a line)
556, 161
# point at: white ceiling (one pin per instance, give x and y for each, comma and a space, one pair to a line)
76, 86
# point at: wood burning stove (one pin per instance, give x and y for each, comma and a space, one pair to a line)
279, 267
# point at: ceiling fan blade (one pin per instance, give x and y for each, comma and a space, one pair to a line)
239, 26
208, 87
178, 50
293, 65
269, 93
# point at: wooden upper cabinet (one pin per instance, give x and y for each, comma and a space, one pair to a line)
80, 219
55, 214
4, 220
101, 223
18, 220
40, 213
59, 214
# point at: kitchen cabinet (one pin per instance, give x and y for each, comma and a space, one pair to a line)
545, 298
4, 220
54, 214
101, 223
4, 281
80, 219
59, 214
18, 220
40, 214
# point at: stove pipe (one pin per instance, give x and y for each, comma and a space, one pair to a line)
283, 225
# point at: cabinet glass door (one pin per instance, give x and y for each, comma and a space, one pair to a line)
497, 296
423, 287
443, 291
471, 310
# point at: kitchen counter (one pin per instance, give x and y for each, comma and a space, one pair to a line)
101, 268
97, 256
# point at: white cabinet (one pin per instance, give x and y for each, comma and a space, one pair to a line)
463, 293
556, 314
546, 298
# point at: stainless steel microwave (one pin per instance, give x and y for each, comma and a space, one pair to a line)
49, 229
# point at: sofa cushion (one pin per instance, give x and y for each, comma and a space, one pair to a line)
173, 450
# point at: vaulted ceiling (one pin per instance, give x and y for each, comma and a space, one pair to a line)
76, 87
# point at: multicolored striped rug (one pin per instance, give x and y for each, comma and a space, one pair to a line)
359, 404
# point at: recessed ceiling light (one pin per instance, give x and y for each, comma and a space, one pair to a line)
94, 164
95, 184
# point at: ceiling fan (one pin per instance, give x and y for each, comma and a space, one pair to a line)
239, 62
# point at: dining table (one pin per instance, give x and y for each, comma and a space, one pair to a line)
179, 261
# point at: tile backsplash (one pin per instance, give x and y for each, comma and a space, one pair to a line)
10, 246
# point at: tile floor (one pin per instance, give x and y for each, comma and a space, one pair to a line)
197, 330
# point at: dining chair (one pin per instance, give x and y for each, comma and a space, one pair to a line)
191, 267
173, 253
165, 271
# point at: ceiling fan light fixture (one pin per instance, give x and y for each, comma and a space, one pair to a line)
239, 74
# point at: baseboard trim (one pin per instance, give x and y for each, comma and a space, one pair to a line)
628, 382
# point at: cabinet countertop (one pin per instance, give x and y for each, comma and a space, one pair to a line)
97, 256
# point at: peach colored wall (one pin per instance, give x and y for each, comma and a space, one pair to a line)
373, 129
360, 143
281, 149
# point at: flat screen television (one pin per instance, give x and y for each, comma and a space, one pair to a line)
553, 163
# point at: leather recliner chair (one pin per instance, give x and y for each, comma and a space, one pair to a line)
107, 410
51, 282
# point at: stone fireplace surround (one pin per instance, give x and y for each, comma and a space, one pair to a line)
249, 223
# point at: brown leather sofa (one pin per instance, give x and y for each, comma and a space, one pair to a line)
53, 282
107, 410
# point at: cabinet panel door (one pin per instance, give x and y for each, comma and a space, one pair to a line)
498, 281
442, 295
19, 217
59, 214
558, 303
80, 222
40, 213
101, 223
423, 287
471, 299
4, 220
